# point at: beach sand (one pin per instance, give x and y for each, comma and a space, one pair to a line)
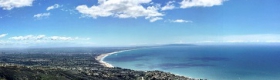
102, 56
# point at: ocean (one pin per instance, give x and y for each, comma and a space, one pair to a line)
216, 62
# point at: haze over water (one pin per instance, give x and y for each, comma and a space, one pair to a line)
258, 62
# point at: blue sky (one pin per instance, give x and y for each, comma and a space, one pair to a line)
78, 23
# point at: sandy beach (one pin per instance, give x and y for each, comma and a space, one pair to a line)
102, 56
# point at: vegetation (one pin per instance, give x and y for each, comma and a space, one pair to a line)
47, 64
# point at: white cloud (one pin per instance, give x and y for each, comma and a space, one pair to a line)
122, 9
45, 41
168, 6
200, 3
53, 7
46, 38
71, 11
61, 38
10, 4
28, 37
3, 35
41, 15
180, 21
155, 19
251, 38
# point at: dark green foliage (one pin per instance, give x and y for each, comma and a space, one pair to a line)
78, 66
25, 73
19, 73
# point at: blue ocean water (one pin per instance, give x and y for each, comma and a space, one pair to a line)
223, 62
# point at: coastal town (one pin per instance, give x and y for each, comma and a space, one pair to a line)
71, 63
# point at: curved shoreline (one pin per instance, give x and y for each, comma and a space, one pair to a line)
101, 57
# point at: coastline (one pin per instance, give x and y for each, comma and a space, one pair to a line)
101, 57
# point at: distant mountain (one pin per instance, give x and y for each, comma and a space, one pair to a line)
179, 45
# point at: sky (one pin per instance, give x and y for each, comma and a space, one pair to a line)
86, 23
